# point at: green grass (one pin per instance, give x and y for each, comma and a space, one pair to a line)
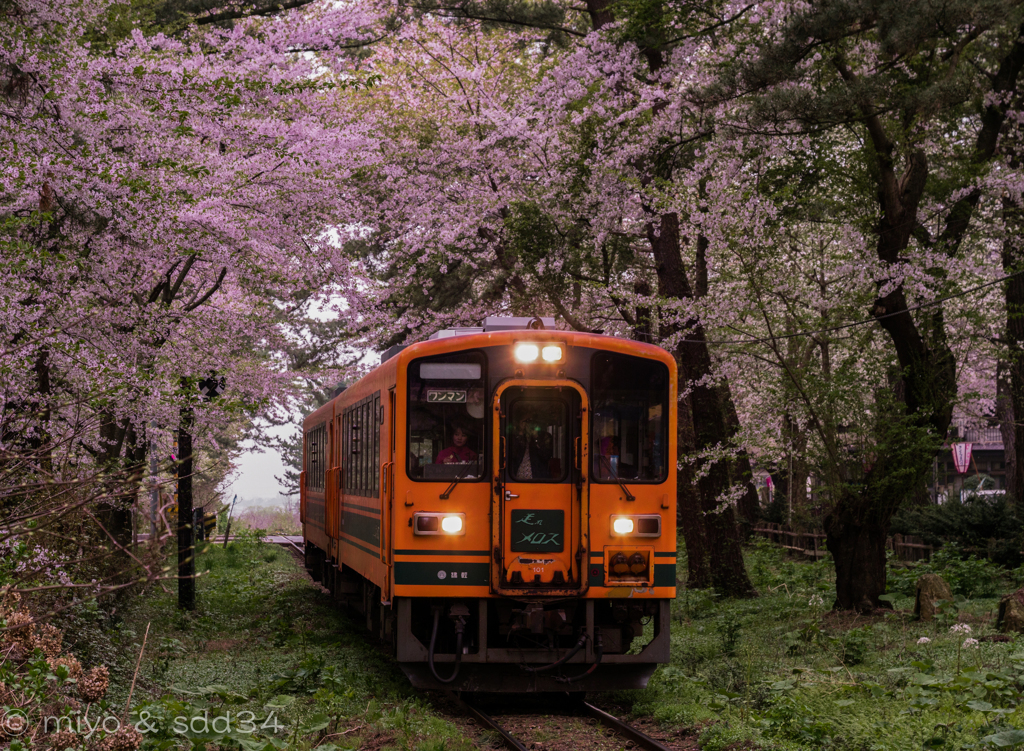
782, 671
267, 642
779, 671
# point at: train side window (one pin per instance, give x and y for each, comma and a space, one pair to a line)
446, 417
629, 423
315, 457
375, 418
360, 447
368, 431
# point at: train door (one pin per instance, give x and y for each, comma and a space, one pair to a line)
387, 495
540, 495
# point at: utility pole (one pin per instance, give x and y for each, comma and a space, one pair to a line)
209, 388
186, 538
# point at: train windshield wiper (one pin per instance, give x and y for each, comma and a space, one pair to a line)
465, 475
615, 476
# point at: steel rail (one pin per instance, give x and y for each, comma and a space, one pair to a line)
627, 731
488, 722
286, 541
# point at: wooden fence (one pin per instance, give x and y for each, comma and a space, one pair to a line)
812, 544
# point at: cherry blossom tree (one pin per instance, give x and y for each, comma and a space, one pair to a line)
165, 201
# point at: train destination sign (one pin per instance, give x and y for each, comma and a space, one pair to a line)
538, 531
451, 396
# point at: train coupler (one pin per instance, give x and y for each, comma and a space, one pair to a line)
535, 619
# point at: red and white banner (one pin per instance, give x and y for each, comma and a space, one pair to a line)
961, 456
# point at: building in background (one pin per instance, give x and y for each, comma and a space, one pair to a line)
987, 458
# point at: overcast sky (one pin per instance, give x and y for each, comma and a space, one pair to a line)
253, 478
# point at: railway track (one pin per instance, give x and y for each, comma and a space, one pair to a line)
584, 709
581, 708
290, 542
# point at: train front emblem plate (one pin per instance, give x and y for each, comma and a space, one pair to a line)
538, 531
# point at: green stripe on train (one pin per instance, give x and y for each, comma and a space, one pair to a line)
361, 527
450, 573
664, 574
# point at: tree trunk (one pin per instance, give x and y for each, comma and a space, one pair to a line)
42, 441
114, 513
688, 507
720, 557
1014, 296
1006, 414
858, 550
927, 366
748, 506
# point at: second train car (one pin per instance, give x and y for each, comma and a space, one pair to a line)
499, 502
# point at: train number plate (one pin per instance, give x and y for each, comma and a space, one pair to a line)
450, 396
538, 531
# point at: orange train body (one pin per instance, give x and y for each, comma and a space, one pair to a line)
491, 514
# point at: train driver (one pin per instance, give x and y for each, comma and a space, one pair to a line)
459, 452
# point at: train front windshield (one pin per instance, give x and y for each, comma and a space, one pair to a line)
446, 417
630, 418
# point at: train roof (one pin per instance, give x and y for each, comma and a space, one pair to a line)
517, 326
498, 331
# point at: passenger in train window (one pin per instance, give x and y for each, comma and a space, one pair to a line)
459, 452
608, 457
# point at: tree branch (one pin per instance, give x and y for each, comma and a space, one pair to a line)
238, 13
192, 306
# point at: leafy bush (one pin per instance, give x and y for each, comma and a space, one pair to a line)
989, 523
968, 576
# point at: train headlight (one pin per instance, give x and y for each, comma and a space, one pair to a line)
551, 353
452, 524
439, 524
637, 525
526, 352
548, 352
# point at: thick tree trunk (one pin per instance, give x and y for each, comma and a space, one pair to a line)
858, 549
720, 560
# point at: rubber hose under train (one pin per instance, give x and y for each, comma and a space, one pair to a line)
460, 625
580, 643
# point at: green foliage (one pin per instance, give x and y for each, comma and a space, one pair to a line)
787, 716
853, 645
967, 576
783, 672
989, 523
275, 662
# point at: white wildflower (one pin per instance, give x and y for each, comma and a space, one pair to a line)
924, 640
815, 601
960, 628
968, 643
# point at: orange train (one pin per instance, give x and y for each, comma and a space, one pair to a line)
500, 503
